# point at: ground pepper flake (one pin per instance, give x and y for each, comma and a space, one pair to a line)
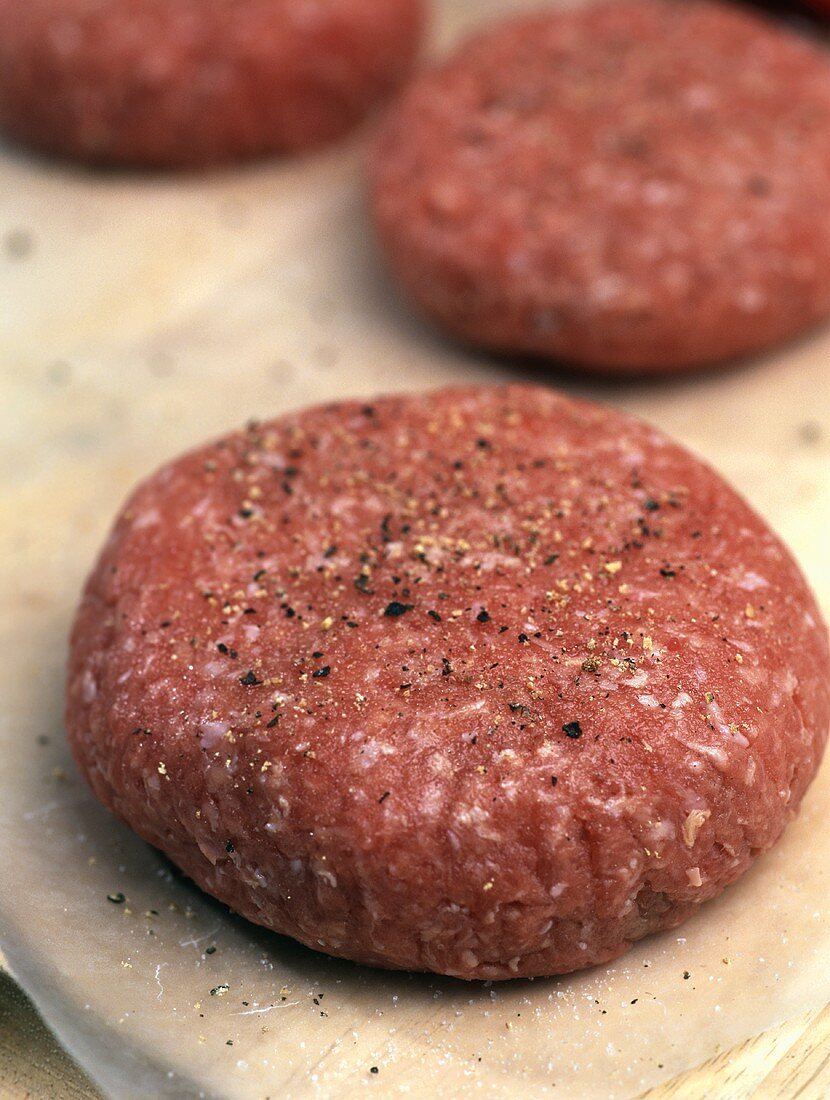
249, 679
572, 729
395, 609
321, 673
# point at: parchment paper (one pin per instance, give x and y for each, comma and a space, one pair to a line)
139, 315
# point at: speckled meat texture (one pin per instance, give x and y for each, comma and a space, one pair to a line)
487, 682
639, 187
192, 82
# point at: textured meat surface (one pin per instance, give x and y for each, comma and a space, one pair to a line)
188, 82
638, 187
487, 682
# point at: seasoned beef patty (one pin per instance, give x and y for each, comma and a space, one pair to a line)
487, 682
192, 82
637, 187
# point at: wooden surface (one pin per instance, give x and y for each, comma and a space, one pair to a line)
790, 1062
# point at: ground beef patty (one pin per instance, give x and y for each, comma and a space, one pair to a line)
637, 187
188, 82
487, 682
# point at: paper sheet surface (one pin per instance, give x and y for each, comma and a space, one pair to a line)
139, 315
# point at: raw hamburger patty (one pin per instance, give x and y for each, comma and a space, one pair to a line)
188, 82
487, 682
637, 187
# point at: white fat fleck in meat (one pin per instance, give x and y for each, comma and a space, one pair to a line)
216, 669
149, 518
477, 818
211, 851
558, 889
612, 807
607, 288
65, 35
89, 687
702, 97
751, 582
660, 193
393, 550
717, 714
682, 699
326, 875
432, 801
751, 674
485, 563
784, 683
693, 875
213, 732
637, 680
547, 647
751, 299
371, 751
692, 825
718, 757
469, 708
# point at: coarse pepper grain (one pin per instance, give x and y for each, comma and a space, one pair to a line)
521, 792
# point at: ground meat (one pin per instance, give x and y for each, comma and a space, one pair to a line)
192, 82
634, 187
487, 682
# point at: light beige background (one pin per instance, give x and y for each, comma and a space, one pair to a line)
140, 314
